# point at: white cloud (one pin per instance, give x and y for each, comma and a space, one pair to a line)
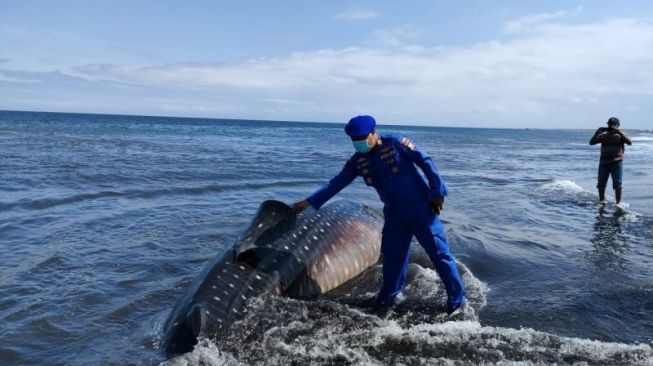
394, 37
356, 14
557, 75
6, 76
532, 21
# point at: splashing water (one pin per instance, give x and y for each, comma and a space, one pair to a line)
284, 331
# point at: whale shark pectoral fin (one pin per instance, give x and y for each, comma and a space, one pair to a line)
273, 220
196, 321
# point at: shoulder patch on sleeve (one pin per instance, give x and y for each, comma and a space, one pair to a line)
406, 142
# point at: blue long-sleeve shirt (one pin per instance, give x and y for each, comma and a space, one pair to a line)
390, 169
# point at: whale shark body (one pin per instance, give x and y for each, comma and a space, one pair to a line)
297, 256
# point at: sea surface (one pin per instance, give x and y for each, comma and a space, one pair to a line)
105, 221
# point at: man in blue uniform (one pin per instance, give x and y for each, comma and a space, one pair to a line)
411, 206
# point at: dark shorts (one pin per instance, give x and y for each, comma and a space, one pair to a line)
614, 169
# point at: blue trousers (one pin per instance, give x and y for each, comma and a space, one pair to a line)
398, 232
611, 168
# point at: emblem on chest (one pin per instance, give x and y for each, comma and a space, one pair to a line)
388, 153
363, 165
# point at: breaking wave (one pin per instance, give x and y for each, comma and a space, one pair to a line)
642, 138
341, 330
565, 192
563, 186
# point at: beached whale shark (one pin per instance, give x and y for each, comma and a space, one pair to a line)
297, 256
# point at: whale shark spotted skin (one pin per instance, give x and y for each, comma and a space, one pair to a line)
297, 256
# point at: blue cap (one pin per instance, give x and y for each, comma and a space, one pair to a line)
360, 126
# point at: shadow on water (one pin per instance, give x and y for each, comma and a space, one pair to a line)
609, 240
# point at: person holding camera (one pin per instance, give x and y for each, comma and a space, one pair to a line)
612, 142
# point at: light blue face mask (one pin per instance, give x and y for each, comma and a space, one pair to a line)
361, 146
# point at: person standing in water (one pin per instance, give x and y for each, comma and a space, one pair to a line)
612, 142
412, 206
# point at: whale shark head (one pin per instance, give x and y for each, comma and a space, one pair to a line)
186, 331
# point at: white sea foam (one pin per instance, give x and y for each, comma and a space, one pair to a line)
281, 331
206, 353
377, 342
568, 186
642, 138
626, 213
565, 192
642, 145
623, 205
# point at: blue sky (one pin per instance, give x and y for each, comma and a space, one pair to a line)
553, 64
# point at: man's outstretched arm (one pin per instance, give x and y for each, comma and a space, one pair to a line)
328, 190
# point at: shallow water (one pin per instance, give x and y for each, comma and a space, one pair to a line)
105, 220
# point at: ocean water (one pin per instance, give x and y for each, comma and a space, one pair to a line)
105, 220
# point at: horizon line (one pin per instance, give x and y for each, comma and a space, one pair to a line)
290, 121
